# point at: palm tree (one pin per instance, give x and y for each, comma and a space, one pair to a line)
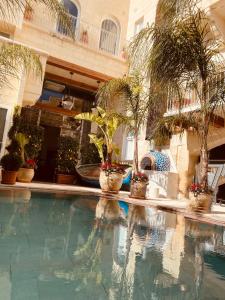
135, 100
184, 54
14, 57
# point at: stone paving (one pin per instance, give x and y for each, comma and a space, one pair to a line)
217, 216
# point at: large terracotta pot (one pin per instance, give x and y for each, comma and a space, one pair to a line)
200, 203
9, 177
25, 175
65, 179
138, 189
110, 183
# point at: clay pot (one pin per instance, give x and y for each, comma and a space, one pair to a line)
25, 175
9, 177
138, 189
65, 179
200, 203
110, 183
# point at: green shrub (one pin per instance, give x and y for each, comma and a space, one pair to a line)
67, 155
11, 162
34, 133
90, 155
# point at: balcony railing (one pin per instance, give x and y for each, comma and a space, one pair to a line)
191, 100
91, 36
189, 103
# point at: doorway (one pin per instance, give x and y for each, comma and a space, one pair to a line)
48, 154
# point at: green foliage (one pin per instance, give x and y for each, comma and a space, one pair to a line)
168, 126
22, 141
33, 133
67, 155
11, 162
135, 98
90, 155
108, 122
182, 53
98, 142
15, 58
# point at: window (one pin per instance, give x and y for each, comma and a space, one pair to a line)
109, 37
72, 10
139, 24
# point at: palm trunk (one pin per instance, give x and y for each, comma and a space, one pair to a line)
135, 159
109, 158
204, 161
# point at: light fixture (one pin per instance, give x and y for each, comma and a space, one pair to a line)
68, 100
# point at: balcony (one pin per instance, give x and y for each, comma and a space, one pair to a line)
83, 34
191, 101
91, 50
91, 36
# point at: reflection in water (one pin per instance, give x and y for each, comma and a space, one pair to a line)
80, 247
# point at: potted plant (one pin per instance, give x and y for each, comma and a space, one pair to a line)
10, 164
111, 175
198, 201
139, 185
184, 56
26, 172
136, 102
66, 160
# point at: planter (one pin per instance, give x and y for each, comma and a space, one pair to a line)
110, 183
25, 175
200, 203
9, 177
138, 189
65, 179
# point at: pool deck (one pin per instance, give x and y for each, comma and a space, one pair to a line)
217, 215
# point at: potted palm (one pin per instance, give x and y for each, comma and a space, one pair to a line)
185, 55
11, 163
111, 175
66, 160
136, 102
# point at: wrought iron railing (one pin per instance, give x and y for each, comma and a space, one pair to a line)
90, 36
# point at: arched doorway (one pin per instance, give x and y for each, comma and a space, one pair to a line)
73, 12
109, 36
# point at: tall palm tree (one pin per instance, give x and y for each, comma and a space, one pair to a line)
13, 57
184, 54
135, 99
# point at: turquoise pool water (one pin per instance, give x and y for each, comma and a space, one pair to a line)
70, 247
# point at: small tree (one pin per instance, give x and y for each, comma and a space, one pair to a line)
135, 98
184, 54
108, 123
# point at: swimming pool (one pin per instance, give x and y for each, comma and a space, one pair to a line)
59, 247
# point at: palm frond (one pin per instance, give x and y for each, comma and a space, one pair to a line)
11, 9
15, 59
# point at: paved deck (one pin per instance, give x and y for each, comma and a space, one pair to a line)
217, 216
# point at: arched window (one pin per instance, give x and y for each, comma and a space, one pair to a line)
109, 38
72, 10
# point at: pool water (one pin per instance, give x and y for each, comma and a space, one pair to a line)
62, 247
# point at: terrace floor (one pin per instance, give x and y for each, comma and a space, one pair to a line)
217, 215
